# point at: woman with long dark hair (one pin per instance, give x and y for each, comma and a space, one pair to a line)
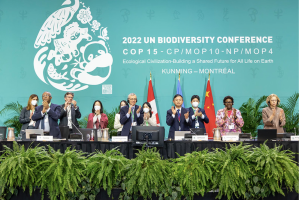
26, 114
97, 119
149, 118
117, 124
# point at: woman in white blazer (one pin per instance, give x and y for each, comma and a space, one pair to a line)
149, 118
117, 124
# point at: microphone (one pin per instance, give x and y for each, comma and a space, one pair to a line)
192, 131
75, 127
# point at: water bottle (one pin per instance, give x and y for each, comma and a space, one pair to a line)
92, 135
88, 137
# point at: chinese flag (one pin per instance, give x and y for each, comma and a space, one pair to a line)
210, 111
151, 100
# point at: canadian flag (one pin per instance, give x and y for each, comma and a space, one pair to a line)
151, 100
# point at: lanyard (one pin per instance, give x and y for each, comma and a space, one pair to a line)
194, 113
49, 107
132, 115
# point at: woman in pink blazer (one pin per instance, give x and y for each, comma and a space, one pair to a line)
97, 119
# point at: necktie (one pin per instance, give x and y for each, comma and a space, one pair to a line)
43, 123
132, 114
178, 114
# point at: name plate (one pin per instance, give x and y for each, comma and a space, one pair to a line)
44, 138
119, 139
295, 138
179, 137
230, 138
200, 138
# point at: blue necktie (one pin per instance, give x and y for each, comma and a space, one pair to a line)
43, 123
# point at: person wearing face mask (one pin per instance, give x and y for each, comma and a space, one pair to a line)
97, 119
117, 124
131, 115
197, 114
26, 114
149, 119
273, 117
69, 113
229, 118
178, 117
47, 115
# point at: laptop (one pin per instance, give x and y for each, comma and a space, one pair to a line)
266, 134
179, 135
198, 131
233, 134
33, 131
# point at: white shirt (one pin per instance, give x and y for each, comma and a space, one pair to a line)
46, 121
187, 120
31, 123
95, 120
193, 116
117, 124
128, 115
69, 115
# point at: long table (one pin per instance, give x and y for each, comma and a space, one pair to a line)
169, 150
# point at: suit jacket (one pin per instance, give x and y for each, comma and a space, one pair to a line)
53, 116
103, 121
126, 122
174, 123
64, 116
24, 119
276, 123
200, 120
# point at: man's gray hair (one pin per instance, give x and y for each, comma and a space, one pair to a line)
48, 93
131, 94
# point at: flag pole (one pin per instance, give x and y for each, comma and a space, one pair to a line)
179, 76
209, 76
150, 76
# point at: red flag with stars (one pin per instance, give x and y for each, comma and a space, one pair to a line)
210, 111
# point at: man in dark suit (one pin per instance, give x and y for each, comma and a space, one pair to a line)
47, 115
178, 117
69, 113
197, 114
131, 115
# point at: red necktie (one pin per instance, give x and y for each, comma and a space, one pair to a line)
178, 114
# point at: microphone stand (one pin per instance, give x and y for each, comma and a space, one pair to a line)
75, 126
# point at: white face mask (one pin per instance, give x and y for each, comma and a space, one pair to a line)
146, 110
195, 104
33, 102
97, 107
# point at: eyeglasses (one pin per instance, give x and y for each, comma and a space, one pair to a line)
228, 102
132, 99
46, 95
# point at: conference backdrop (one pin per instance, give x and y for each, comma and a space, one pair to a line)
104, 50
